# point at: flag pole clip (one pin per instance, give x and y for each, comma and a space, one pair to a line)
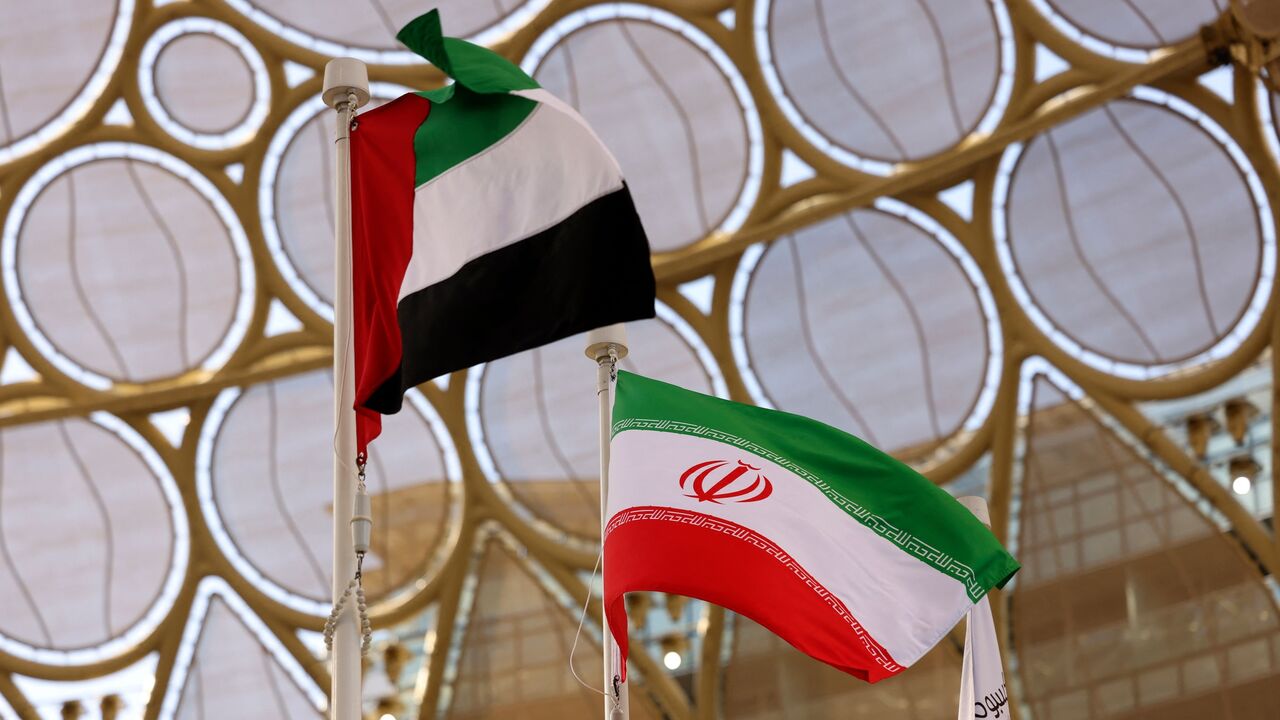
607, 345
613, 363
362, 518
353, 104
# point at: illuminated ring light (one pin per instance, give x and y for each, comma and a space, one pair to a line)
815, 137
142, 153
292, 600
163, 603
87, 96
242, 131
1129, 370
513, 21
986, 302
625, 11
291, 126
1090, 42
484, 456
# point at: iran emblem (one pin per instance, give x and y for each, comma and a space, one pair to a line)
720, 481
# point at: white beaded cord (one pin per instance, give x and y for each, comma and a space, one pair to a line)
362, 609
362, 604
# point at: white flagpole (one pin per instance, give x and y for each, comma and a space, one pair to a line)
346, 87
983, 693
606, 346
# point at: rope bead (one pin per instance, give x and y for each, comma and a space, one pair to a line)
362, 613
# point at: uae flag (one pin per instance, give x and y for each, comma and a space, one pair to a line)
487, 219
842, 551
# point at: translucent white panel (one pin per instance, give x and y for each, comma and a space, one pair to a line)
1138, 237
93, 539
172, 424
56, 57
203, 83
232, 675
873, 324
669, 105
118, 114
1048, 63
280, 321
15, 369
264, 472
1106, 25
230, 665
367, 30
533, 418
125, 264
878, 83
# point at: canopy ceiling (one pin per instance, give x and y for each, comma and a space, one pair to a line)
1035, 327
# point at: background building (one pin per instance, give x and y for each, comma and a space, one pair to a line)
1079, 326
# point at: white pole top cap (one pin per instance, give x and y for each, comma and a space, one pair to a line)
342, 76
601, 339
978, 507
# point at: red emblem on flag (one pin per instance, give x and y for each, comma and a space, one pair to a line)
717, 480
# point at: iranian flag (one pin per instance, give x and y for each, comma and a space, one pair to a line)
836, 547
485, 215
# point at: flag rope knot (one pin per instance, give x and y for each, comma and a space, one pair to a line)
350, 109
612, 360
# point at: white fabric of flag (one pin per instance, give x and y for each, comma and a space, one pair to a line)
982, 690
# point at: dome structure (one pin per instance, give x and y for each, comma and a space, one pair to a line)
1026, 246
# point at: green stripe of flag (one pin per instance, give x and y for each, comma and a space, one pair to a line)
477, 68
456, 131
473, 113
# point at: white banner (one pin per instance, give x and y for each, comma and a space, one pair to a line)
982, 689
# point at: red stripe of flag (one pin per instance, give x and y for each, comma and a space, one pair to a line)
689, 553
383, 168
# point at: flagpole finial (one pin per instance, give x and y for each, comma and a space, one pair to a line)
342, 77
610, 337
978, 507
